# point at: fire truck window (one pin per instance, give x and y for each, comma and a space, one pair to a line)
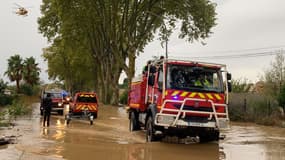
216, 81
86, 99
151, 79
152, 69
177, 78
160, 79
194, 78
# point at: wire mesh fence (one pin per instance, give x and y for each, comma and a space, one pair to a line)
254, 107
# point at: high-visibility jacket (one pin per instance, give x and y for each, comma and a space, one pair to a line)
200, 83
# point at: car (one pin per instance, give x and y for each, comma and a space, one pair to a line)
57, 101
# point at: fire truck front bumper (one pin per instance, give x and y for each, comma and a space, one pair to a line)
167, 120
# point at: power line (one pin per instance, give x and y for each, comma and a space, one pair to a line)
233, 56
245, 50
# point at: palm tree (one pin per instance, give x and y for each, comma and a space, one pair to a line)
15, 70
31, 71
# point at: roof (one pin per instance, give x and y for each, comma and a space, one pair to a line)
196, 63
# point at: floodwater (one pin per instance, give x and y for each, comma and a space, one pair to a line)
109, 139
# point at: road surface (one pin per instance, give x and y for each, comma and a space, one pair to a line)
109, 139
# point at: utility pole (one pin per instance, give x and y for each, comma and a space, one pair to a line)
281, 74
166, 48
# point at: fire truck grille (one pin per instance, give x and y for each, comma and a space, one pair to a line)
192, 108
198, 119
54, 104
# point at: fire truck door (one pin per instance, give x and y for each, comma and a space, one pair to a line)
158, 88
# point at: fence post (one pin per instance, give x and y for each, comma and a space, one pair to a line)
269, 108
244, 105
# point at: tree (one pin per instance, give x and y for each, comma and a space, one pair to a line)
65, 64
31, 71
241, 85
15, 70
274, 76
114, 32
281, 98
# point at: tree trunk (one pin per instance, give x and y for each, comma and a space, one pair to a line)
115, 87
131, 68
18, 86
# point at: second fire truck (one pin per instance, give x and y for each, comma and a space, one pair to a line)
180, 98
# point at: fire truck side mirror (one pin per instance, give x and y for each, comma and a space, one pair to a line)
229, 76
151, 79
229, 86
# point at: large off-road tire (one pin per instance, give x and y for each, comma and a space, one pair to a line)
134, 123
150, 136
60, 112
95, 115
209, 136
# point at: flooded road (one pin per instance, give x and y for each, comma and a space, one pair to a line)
109, 139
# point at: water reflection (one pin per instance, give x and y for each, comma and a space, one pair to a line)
161, 151
110, 139
45, 132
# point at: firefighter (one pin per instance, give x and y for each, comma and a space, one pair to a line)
47, 104
145, 69
201, 81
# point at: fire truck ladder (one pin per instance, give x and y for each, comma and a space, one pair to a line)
173, 119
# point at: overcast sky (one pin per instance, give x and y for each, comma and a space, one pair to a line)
243, 26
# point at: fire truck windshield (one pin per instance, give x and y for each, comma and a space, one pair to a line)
191, 78
54, 95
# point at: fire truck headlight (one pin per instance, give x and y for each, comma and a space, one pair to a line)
59, 104
224, 124
67, 99
165, 119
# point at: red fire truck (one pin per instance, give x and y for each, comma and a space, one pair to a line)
180, 98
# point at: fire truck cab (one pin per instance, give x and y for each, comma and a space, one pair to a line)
180, 98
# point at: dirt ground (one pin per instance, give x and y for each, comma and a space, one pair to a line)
109, 139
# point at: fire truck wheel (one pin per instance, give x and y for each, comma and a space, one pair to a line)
133, 125
60, 112
68, 121
209, 136
95, 115
150, 137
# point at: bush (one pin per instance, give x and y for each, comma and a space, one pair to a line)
251, 107
18, 108
2, 115
3, 86
124, 97
7, 99
29, 90
26, 89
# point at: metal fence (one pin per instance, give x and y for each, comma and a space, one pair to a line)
250, 106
